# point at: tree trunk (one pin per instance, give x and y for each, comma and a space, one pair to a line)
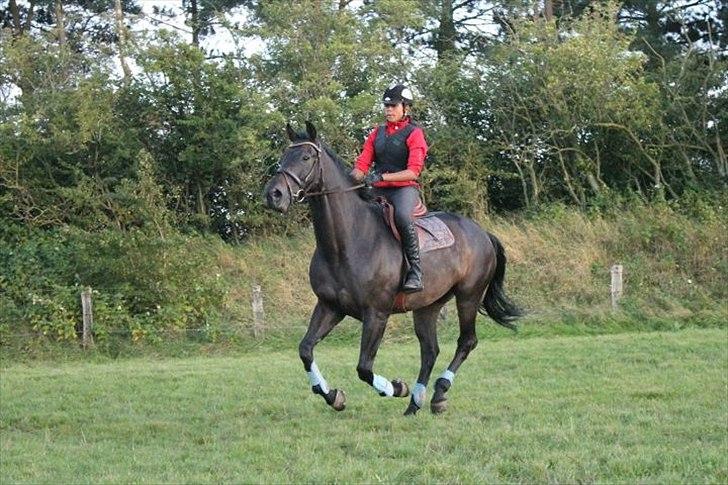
195, 21
446, 33
567, 181
18, 29
722, 161
201, 209
121, 32
60, 23
17, 26
548, 10
524, 184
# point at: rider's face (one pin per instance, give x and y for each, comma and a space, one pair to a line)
394, 112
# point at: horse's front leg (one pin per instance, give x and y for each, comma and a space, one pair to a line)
371, 338
323, 320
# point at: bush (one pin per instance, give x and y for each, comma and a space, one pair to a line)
143, 285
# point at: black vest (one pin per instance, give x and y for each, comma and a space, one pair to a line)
391, 151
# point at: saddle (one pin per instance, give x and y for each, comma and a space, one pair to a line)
431, 231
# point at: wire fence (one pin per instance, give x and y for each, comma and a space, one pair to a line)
86, 330
246, 330
258, 327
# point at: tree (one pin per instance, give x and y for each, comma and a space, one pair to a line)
208, 133
572, 112
327, 62
202, 17
452, 28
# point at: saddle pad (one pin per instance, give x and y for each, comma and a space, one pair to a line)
433, 234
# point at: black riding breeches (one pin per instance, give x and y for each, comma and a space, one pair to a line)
404, 200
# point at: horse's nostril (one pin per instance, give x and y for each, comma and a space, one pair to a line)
276, 194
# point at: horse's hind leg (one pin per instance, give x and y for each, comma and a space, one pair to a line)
426, 330
467, 305
323, 320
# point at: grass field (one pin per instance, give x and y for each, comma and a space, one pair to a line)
648, 407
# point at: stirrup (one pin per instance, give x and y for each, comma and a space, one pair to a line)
412, 286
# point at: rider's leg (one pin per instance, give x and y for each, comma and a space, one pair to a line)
405, 199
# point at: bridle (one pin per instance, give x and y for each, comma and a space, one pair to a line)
302, 193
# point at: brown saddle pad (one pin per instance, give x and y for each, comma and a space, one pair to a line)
432, 232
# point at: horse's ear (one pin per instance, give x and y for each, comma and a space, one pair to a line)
291, 134
311, 130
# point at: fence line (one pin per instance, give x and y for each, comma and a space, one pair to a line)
616, 285
242, 329
258, 325
88, 318
258, 312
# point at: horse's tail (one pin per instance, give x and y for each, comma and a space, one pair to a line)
495, 303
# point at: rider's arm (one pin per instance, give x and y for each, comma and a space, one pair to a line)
365, 159
401, 176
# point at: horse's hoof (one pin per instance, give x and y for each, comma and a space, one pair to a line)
339, 401
400, 388
411, 409
438, 407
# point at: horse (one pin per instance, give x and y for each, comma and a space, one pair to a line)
357, 268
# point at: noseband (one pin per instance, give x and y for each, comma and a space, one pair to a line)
302, 193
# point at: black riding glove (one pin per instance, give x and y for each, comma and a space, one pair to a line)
372, 178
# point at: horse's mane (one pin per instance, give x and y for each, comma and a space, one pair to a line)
341, 165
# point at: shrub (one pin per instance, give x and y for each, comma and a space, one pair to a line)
143, 284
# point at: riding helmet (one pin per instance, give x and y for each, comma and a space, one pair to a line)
397, 93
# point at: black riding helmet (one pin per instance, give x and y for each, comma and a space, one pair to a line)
397, 93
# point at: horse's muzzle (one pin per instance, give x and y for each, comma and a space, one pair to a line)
277, 196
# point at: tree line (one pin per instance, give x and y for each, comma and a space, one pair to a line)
131, 143
524, 102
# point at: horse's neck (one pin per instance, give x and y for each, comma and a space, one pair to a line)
339, 218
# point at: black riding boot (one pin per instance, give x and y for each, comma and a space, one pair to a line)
411, 244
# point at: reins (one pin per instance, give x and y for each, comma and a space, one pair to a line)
301, 193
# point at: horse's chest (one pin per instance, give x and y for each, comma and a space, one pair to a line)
333, 287
333, 292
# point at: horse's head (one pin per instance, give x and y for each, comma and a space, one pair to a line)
299, 170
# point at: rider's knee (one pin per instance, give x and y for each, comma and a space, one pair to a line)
402, 220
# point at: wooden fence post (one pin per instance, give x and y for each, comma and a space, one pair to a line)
258, 312
443, 313
88, 318
616, 286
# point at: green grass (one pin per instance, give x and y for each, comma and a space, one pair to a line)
647, 407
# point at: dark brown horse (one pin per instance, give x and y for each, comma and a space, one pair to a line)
357, 269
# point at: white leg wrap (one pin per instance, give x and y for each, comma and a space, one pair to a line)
316, 379
418, 394
382, 385
448, 375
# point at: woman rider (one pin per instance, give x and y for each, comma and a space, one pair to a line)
397, 149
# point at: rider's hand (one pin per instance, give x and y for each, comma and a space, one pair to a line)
373, 177
357, 175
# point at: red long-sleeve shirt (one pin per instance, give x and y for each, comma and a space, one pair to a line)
415, 143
